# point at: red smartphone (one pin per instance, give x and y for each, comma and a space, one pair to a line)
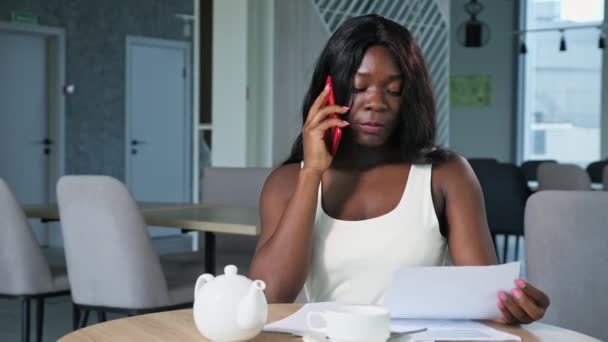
334, 134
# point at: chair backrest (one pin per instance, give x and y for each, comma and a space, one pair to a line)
566, 239
507, 195
553, 176
605, 178
530, 168
475, 162
110, 257
234, 186
596, 169
505, 192
23, 268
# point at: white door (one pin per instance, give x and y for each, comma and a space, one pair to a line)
25, 146
158, 137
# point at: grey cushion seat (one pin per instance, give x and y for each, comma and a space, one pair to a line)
553, 176
111, 261
25, 272
24, 267
566, 240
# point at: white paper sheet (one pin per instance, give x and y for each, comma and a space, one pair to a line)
456, 292
448, 330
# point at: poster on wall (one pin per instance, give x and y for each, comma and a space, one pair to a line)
470, 90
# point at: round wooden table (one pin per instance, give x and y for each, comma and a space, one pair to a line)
179, 325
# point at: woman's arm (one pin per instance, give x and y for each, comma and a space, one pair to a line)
287, 210
464, 213
470, 242
288, 206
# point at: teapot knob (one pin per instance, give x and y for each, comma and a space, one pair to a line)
230, 270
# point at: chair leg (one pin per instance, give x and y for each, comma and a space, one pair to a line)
517, 247
504, 249
101, 316
75, 316
25, 319
85, 318
39, 318
495, 246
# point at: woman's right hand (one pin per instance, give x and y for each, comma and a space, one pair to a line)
316, 154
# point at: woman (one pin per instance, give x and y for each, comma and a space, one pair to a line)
340, 225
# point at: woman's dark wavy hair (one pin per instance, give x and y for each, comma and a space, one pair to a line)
341, 58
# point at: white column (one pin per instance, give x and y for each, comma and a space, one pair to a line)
229, 79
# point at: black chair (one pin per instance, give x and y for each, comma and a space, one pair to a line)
480, 162
505, 193
530, 168
595, 170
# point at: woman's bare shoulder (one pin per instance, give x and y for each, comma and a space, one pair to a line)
282, 181
454, 169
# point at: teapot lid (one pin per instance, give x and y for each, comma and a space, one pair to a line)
230, 270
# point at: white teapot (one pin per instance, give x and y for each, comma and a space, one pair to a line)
229, 307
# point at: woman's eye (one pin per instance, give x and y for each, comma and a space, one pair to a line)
358, 90
394, 92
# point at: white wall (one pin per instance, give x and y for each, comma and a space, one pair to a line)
260, 46
298, 40
229, 79
489, 131
266, 49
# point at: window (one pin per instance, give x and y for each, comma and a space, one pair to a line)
561, 98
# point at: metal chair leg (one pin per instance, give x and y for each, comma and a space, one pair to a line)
517, 247
85, 319
495, 246
25, 319
75, 316
505, 249
101, 316
39, 318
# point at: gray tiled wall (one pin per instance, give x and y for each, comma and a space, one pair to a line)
95, 63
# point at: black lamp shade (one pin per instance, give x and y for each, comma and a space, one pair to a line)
472, 34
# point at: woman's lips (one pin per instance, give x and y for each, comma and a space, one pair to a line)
372, 128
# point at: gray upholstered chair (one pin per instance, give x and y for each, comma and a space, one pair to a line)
566, 239
530, 168
553, 176
112, 264
24, 270
237, 187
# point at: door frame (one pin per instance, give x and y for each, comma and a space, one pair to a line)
166, 43
55, 59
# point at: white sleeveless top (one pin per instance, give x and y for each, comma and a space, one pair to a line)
353, 261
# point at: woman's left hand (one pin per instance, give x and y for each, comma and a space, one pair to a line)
525, 304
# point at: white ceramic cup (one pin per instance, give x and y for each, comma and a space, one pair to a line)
368, 323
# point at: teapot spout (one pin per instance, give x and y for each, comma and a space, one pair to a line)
252, 311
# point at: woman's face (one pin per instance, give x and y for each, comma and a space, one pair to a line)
377, 84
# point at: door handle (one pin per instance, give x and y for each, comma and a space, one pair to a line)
137, 142
45, 142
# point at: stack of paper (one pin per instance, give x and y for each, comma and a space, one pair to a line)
450, 330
